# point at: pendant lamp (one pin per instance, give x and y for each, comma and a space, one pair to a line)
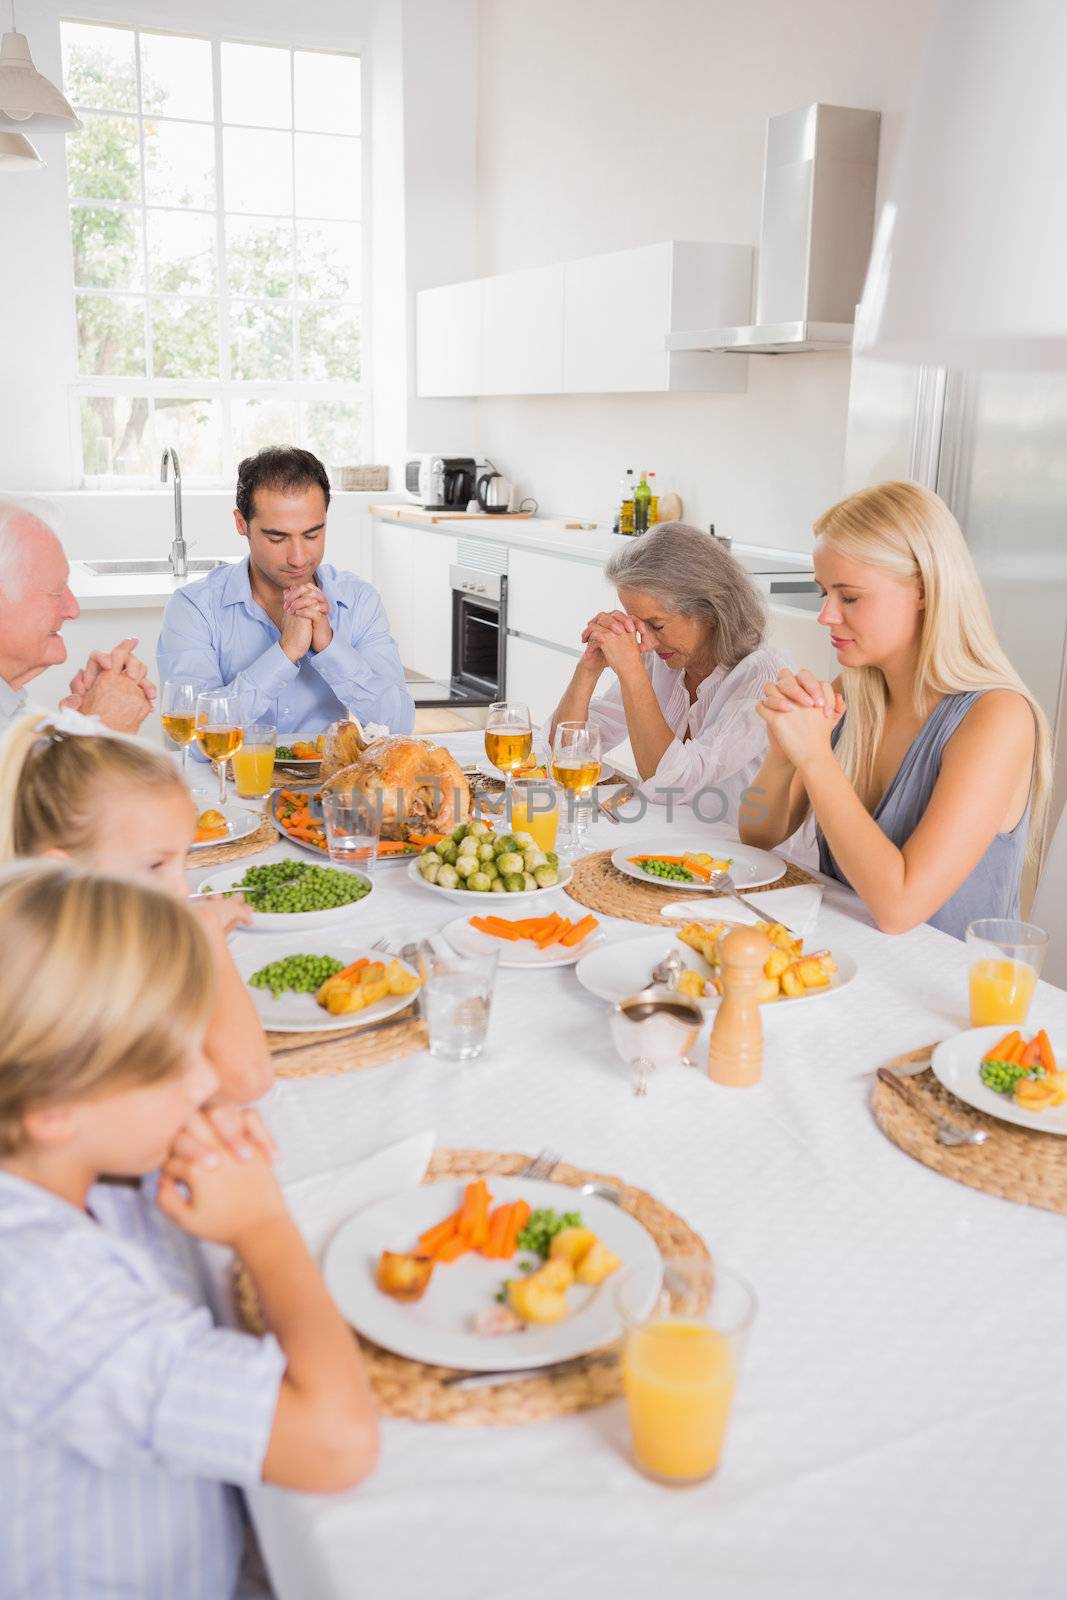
17, 153
25, 94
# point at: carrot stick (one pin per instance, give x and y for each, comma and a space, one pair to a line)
470, 1210
357, 966
674, 861
557, 927
520, 1215
1030, 1053
1046, 1054
453, 1248
580, 931
433, 1238
498, 1226
997, 1052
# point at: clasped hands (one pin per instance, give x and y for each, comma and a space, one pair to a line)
113, 685
305, 620
612, 639
800, 713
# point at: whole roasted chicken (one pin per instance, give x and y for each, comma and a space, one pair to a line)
419, 787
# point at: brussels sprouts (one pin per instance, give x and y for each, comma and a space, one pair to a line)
430, 857
529, 881
505, 843
447, 877
552, 858
525, 841
509, 863
547, 877
468, 847
448, 852
498, 886
429, 870
486, 851
534, 858
489, 868
478, 830
481, 882
466, 866
460, 832
515, 882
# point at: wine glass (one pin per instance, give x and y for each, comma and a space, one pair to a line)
508, 736
178, 715
219, 730
576, 768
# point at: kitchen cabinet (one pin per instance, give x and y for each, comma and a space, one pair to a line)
448, 339
538, 674
392, 579
430, 650
522, 332
552, 598
804, 640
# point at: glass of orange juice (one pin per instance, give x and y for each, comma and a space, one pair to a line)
680, 1370
535, 810
253, 764
1006, 959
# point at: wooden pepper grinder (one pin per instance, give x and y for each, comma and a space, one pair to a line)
735, 1055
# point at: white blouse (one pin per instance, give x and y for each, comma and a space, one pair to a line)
727, 740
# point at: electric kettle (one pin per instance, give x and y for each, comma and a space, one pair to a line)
494, 492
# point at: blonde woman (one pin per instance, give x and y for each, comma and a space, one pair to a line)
112, 805
927, 763
125, 1413
689, 664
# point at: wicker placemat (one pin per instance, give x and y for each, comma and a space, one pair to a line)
213, 855
1014, 1163
319, 1055
602, 887
411, 1390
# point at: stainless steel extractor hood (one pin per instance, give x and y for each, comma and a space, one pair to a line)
819, 183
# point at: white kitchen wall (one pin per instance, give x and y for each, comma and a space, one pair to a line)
619, 122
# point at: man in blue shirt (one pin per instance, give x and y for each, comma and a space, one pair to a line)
303, 643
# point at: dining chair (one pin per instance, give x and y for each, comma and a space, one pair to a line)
1049, 909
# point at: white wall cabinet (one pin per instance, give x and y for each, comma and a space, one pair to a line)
804, 640
431, 604
538, 675
553, 598
592, 326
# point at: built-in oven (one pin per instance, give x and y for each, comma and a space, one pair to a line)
479, 601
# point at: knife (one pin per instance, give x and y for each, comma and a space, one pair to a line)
495, 1380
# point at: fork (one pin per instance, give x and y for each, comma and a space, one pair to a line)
724, 884
541, 1166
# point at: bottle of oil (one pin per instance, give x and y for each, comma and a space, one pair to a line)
653, 504
642, 500
626, 504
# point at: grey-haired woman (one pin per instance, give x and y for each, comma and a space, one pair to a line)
689, 663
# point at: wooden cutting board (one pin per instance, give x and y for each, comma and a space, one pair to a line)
420, 514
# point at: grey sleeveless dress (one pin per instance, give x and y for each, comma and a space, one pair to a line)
992, 890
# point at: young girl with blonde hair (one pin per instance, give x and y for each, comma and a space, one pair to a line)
113, 805
927, 763
125, 1413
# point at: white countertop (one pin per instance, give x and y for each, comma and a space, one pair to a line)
124, 591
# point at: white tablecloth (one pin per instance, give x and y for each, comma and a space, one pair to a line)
901, 1425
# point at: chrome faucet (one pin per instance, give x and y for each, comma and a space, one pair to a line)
178, 564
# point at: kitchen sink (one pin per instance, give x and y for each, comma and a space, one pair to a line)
134, 569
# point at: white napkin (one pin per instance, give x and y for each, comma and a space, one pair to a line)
798, 908
319, 1205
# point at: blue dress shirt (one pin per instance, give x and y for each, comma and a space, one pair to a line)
216, 635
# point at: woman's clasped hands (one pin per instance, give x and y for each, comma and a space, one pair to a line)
801, 713
611, 639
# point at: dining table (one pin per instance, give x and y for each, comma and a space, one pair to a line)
899, 1427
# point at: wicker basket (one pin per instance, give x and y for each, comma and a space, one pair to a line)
361, 477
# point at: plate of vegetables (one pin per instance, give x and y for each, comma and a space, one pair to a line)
223, 825
474, 863
321, 983
489, 1274
1010, 1075
284, 895
297, 814
301, 753
689, 862
548, 941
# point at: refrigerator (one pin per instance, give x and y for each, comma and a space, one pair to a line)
994, 447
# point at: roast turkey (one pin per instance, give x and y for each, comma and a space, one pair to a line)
420, 787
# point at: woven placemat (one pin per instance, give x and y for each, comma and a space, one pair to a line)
324, 1055
213, 855
418, 1393
602, 887
1014, 1163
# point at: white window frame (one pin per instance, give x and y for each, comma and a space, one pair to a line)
224, 388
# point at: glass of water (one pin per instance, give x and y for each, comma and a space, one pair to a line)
353, 824
457, 992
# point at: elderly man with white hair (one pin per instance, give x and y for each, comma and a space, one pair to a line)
35, 602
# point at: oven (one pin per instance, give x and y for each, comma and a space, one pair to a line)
479, 635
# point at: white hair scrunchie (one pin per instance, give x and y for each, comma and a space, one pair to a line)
73, 723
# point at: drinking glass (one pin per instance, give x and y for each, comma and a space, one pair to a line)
576, 768
680, 1367
457, 992
535, 810
508, 736
353, 826
253, 764
178, 715
219, 730
1006, 960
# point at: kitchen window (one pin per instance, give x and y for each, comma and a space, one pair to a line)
215, 210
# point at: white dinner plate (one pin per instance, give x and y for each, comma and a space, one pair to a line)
239, 824
437, 1329
751, 868
624, 967
296, 922
523, 953
305, 769
321, 855
481, 896
956, 1064
300, 1013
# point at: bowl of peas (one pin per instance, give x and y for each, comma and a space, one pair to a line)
288, 895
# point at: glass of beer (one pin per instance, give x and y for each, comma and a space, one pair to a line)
253, 763
576, 768
508, 736
178, 715
219, 730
